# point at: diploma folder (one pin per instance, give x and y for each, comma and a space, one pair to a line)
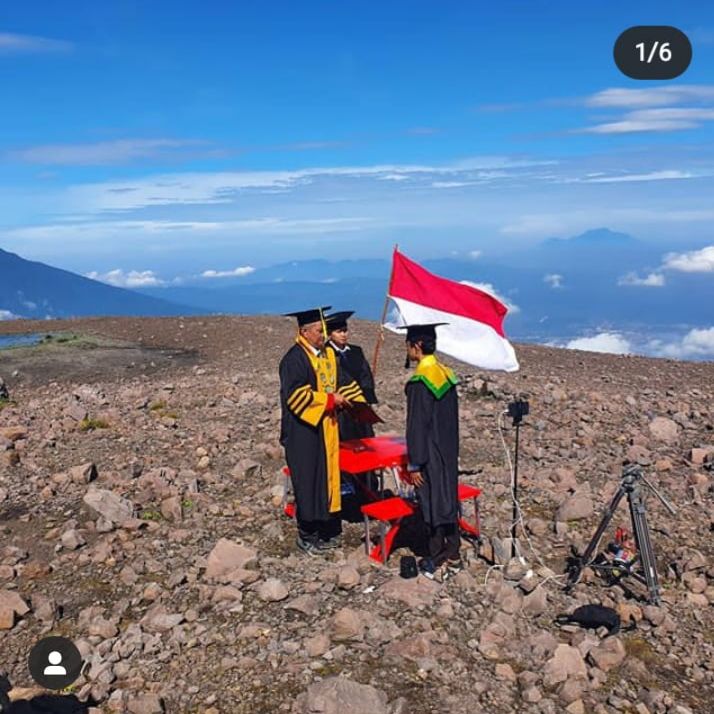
364, 414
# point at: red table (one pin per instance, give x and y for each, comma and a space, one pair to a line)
376, 452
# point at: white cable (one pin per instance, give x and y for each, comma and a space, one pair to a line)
519, 512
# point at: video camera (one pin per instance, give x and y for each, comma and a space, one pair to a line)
517, 409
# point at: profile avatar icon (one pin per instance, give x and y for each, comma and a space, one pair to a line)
54, 668
55, 662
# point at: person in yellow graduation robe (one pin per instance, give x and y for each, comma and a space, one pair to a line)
313, 390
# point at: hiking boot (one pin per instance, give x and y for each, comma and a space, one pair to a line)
307, 546
454, 566
427, 568
331, 544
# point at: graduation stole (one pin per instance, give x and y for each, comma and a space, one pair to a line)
436, 377
325, 367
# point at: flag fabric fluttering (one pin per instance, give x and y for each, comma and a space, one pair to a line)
474, 333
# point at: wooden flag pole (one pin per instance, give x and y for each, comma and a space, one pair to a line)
380, 336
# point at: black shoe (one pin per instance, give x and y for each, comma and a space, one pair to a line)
427, 568
331, 544
454, 566
307, 546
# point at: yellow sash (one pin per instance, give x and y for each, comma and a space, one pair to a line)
325, 368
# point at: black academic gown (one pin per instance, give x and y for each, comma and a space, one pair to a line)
354, 363
304, 444
433, 446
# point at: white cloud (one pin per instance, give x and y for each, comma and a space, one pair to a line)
474, 254
609, 342
452, 184
651, 97
554, 280
663, 175
653, 280
236, 272
696, 343
131, 279
7, 315
657, 119
223, 187
92, 231
488, 288
14, 44
101, 153
696, 261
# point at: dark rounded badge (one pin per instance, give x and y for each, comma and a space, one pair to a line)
652, 52
55, 662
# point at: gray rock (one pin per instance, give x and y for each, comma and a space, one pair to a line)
413, 592
339, 695
157, 619
347, 624
228, 556
72, 539
566, 662
272, 590
610, 653
575, 507
317, 646
145, 704
109, 505
347, 577
664, 430
536, 603
84, 473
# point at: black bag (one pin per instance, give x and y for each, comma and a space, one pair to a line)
591, 617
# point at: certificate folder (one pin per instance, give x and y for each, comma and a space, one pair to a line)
363, 413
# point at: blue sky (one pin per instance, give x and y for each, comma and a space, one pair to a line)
164, 139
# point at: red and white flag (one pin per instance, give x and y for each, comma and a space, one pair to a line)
474, 333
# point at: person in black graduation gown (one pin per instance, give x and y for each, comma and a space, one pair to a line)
313, 389
433, 447
351, 359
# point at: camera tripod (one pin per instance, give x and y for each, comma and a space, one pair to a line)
631, 485
516, 410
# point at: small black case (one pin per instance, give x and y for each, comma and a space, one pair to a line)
408, 566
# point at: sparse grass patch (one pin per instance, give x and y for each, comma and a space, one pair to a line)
160, 409
151, 514
7, 403
187, 504
90, 424
641, 649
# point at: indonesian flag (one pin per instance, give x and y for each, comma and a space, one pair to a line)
474, 333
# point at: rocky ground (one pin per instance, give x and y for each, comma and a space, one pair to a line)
139, 515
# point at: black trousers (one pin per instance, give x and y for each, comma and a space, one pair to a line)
312, 531
444, 543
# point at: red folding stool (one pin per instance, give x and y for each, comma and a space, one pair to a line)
465, 493
289, 507
392, 511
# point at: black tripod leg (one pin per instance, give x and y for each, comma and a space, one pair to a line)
638, 513
576, 568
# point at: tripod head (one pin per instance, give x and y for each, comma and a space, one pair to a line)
632, 475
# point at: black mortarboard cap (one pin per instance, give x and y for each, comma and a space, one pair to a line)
418, 332
338, 320
305, 317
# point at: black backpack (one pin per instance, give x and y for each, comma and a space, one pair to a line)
591, 617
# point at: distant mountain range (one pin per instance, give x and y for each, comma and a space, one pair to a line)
560, 289
35, 290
